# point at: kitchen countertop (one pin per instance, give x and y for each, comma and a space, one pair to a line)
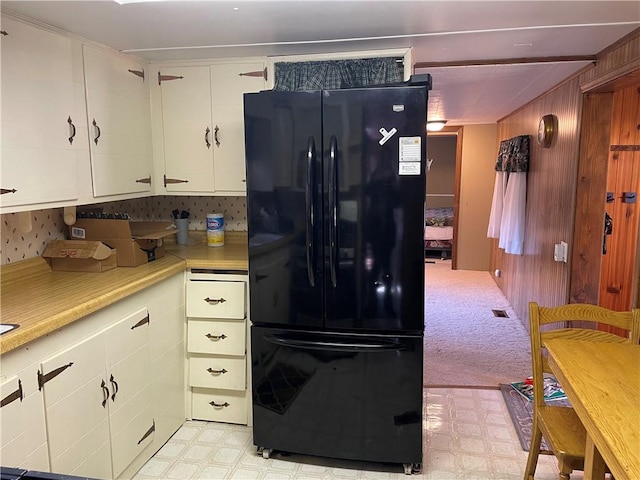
40, 300
233, 256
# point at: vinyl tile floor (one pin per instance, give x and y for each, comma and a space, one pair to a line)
468, 435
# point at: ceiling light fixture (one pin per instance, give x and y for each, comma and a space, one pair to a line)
435, 125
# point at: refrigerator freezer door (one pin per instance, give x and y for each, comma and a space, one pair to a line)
356, 397
374, 169
284, 181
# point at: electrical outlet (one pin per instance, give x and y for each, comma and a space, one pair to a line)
560, 252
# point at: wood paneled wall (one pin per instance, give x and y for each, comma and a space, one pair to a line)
552, 195
551, 187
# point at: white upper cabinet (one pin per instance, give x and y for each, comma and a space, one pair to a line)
188, 130
119, 122
203, 126
38, 163
228, 84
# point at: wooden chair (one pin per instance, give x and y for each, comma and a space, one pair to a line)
560, 426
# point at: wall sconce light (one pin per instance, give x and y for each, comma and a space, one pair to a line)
435, 125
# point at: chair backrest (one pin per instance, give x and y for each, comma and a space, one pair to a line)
546, 323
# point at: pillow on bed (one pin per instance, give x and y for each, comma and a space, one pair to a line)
436, 222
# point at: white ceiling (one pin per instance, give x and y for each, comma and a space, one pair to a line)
438, 31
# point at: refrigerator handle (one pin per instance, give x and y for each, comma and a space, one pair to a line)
333, 210
336, 345
309, 190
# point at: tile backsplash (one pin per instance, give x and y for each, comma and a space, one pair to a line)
48, 224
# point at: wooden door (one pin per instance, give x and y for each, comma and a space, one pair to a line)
618, 271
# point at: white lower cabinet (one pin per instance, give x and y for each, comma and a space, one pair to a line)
97, 397
101, 395
217, 347
23, 438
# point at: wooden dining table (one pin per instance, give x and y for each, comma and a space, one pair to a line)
602, 382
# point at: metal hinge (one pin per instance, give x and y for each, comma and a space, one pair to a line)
256, 73
148, 432
165, 78
18, 394
142, 322
139, 73
144, 180
44, 378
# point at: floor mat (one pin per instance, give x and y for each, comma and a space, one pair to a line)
521, 413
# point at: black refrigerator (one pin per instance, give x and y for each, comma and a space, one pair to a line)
335, 198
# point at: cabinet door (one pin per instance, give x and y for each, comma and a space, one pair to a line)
119, 120
187, 128
129, 373
38, 164
23, 440
76, 396
228, 84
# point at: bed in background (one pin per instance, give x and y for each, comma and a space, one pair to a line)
438, 231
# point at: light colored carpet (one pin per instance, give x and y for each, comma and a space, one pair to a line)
465, 344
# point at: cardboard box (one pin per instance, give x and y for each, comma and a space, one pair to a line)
136, 243
79, 256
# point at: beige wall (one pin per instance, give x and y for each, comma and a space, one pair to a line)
479, 150
442, 173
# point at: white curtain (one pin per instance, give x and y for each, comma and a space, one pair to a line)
508, 207
513, 213
495, 218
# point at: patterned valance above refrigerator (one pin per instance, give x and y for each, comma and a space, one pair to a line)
335, 74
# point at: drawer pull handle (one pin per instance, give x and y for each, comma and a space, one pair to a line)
216, 372
219, 405
105, 392
214, 301
114, 384
215, 337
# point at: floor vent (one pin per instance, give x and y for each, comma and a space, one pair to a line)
500, 313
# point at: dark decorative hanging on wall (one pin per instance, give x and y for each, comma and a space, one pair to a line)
334, 74
513, 155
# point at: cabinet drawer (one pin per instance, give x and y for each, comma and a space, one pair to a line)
219, 405
217, 372
213, 299
223, 337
